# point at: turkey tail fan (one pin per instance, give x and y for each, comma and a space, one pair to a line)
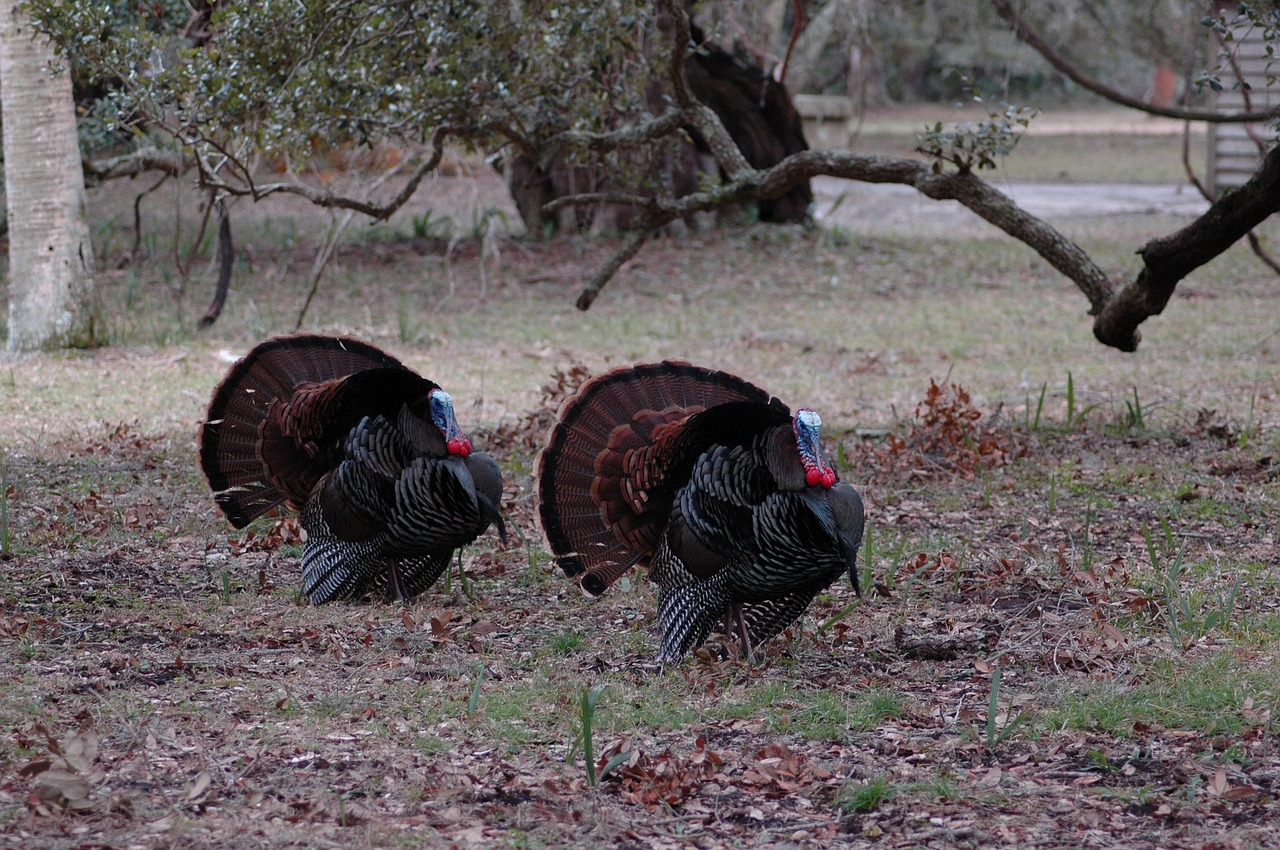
606, 477
236, 435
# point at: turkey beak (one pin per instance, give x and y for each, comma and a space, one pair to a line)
808, 428
442, 415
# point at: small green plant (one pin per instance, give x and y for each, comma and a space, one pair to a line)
867, 797
587, 708
837, 236
482, 221
996, 737
225, 591
1134, 419
1187, 614
1033, 423
837, 617
895, 560
942, 787
566, 642
586, 738
1071, 401
463, 584
425, 227
1100, 761
473, 704
1144, 795
1075, 413
1248, 432
5, 540
971, 144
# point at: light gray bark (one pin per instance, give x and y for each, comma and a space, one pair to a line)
51, 287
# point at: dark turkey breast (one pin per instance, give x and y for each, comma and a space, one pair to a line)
738, 538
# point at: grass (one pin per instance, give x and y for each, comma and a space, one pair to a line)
1122, 564
1206, 695
819, 715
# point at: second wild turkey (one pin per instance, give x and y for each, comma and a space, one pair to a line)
367, 449
712, 484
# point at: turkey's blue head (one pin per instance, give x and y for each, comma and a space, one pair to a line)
442, 415
808, 428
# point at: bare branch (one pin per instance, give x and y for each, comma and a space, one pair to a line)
226, 260
797, 27
654, 128
325, 197
1028, 35
1169, 259
587, 198
693, 113
974, 193
629, 249
97, 172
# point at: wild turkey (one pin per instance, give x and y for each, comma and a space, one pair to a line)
711, 483
368, 450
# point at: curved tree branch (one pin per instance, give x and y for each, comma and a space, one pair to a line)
1168, 259
97, 172
695, 114
635, 241
654, 128
226, 261
974, 193
327, 198
1028, 35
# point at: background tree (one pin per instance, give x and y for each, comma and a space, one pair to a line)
575, 79
51, 267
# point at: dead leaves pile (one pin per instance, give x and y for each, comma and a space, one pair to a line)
69, 780
949, 437
529, 432
671, 779
286, 531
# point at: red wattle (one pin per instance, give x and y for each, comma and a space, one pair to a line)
829, 478
466, 447
455, 447
813, 476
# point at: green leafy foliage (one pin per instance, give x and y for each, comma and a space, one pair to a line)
282, 77
975, 144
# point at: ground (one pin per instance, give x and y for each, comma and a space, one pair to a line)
1067, 636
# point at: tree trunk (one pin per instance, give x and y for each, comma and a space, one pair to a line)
51, 286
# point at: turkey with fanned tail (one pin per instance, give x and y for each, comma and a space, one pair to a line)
367, 450
709, 482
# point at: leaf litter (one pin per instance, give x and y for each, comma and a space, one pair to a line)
169, 683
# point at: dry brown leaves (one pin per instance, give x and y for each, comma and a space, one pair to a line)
949, 437
124, 440
69, 779
530, 430
671, 780
287, 531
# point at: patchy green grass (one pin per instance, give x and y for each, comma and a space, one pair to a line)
1220, 694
